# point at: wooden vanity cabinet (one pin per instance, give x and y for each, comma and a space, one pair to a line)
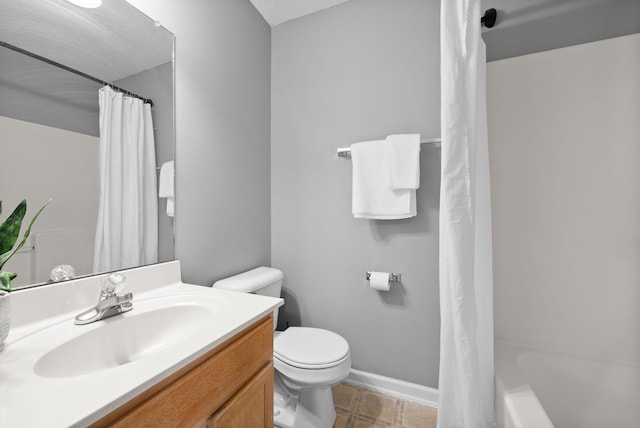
230, 386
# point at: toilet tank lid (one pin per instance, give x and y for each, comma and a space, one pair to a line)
251, 280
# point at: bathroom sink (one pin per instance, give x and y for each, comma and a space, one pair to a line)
74, 375
153, 326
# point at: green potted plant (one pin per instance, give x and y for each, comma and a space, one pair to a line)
9, 233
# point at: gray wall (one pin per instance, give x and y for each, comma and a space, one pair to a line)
155, 84
358, 71
222, 134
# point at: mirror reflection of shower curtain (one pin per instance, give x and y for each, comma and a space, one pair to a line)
466, 277
127, 230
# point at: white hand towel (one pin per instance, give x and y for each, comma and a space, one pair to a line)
404, 158
166, 185
372, 195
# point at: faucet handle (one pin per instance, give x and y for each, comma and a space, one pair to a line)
113, 284
62, 272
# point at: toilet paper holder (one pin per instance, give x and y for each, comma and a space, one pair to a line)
393, 277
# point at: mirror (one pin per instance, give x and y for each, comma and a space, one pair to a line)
49, 120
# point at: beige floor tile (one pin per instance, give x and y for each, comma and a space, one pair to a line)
344, 396
418, 416
380, 407
357, 407
341, 421
364, 424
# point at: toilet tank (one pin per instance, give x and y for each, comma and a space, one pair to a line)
262, 280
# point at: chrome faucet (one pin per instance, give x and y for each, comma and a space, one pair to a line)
109, 303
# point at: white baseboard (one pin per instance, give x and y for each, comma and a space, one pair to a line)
394, 387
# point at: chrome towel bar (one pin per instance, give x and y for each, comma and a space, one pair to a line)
345, 152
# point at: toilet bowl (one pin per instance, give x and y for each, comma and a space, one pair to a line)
307, 361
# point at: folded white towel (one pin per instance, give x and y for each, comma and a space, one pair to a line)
166, 185
404, 158
372, 195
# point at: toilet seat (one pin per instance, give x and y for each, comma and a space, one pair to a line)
310, 359
310, 348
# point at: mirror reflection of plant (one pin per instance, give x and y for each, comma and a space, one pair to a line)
9, 233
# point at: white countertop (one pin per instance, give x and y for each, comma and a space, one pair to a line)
29, 399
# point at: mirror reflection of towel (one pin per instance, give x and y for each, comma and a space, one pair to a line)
166, 186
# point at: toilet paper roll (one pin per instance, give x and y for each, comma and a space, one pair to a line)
379, 281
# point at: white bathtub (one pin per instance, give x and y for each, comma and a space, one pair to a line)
540, 389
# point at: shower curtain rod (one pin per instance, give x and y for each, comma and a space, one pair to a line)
74, 71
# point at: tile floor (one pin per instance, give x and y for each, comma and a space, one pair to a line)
357, 407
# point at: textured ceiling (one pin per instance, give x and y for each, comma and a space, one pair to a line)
278, 11
110, 42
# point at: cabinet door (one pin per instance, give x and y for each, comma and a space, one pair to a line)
251, 407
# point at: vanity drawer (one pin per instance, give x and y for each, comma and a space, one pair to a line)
190, 396
251, 407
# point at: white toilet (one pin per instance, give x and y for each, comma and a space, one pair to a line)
307, 361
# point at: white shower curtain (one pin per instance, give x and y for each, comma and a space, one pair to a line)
127, 230
466, 279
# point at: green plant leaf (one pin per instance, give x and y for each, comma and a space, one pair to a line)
5, 280
6, 256
10, 229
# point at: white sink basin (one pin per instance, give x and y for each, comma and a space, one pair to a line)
125, 338
121, 340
